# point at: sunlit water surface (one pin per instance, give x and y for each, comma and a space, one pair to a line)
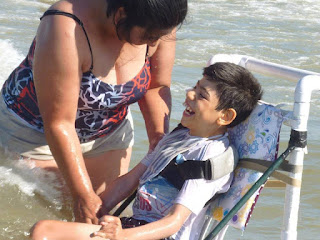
281, 31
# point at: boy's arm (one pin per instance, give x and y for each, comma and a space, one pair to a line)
121, 188
165, 227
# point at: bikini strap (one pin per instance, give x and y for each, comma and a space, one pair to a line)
74, 17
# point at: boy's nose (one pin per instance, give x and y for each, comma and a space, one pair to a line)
190, 93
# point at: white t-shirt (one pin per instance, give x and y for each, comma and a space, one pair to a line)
155, 197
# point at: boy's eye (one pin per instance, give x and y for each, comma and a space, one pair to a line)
199, 94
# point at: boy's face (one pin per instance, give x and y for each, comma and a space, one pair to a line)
200, 115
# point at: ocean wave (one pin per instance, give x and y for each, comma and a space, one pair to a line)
31, 180
9, 59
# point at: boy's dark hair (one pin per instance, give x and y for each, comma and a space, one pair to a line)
235, 87
152, 15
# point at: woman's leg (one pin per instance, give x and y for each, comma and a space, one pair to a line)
102, 169
59, 230
51, 172
105, 168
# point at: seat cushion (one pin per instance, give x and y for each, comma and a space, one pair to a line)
258, 138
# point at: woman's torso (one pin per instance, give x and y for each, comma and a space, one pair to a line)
105, 91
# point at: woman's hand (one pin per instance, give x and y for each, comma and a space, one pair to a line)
86, 209
110, 229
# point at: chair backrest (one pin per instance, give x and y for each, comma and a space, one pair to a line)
255, 138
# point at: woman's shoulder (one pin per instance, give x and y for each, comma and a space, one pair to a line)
64, 6
58, 17
164, 48
80, 9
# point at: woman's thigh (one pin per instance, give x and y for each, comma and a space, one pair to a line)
103, 169
48, 173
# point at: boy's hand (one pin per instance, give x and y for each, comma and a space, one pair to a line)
110, 228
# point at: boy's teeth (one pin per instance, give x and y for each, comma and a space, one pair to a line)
188, 109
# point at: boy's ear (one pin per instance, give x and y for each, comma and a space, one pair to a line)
120, 14
227, 116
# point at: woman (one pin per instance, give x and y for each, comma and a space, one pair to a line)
66, 106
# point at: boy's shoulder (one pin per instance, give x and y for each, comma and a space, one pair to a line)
208, 148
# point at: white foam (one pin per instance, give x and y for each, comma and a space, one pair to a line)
9, 59
32, 3
31, 180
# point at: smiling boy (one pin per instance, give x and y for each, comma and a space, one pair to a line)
166, 209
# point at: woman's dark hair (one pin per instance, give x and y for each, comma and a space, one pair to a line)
152, 15
235, 87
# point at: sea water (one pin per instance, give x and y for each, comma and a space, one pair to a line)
280, 31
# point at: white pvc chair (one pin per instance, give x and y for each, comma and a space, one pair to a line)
257, 141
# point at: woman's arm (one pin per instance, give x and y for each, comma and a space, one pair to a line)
58, 65
165, 227
121, 188
156, 104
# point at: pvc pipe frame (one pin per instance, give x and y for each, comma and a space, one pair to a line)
307, 83
263, 67
251, 191
301, 109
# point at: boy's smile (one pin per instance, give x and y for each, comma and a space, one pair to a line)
200, 115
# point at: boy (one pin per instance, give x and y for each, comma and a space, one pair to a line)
223, 98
